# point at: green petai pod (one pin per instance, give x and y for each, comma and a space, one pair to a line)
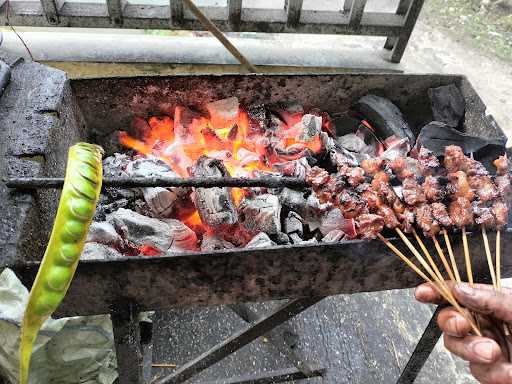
77, 205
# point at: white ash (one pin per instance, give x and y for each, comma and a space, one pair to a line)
162, 235
149, 166
334, 236
212, 242
260, 240
311, 126
104, 233
262, 213
160, 201
115, 165
332, 220
352, 143
225, 111
97, 251
182, 237
293, 224
104, 207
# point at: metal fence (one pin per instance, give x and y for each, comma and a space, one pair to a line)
351, 20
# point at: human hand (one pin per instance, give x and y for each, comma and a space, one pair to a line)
488, 355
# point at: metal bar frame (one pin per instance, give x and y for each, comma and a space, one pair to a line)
397, 27
279, 376
239, 340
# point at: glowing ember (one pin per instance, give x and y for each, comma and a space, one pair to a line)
226, 134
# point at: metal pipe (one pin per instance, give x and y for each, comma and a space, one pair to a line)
139, 182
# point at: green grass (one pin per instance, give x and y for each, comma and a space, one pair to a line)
489, 31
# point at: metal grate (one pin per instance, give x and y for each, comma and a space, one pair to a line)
352, 20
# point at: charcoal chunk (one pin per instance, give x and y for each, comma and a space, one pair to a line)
384, 116
262, 213
260, 240
448, 105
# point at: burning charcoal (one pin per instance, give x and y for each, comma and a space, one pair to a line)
338, 155
262, 213
293, 199
161, 201
334, 236
183, 118
223, 112
149, 166
295, 168
436, 136
334, 220
293, 224
260, 240
104, 233
396, 148
258, 119
447, 104
311, 127
142, 230
212, 242
215, 205
97, 251
353, 143
384, 116
281, 238
115, 165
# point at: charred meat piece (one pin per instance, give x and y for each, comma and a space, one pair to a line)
429, 164
500, 211
440, 213
369, 225
459, 186
405, 167
501, 164
372, 199
356, 176
351, 204
461, 212
372, 166
426, 221
412, 192
484, 215
317, 177
390, 219
407, 219
455, 160
378, 178
433, 190
484, 187
503, 185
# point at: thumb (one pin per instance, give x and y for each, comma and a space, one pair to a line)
485, 301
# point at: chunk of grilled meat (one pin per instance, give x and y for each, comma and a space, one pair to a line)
412, 192
426, 221
369, 225
429, 164
455, 160
407, 218
387, 213
351, 204
500, 211
459, 186
372, 165
461, 212
484, 214
502, 165
484, 187
440, 212
433, 190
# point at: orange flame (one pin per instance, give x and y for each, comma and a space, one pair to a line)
182, 140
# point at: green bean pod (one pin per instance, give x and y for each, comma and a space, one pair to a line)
77, 205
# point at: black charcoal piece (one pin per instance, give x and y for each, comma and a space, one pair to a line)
447, 103
437, 135
384, 116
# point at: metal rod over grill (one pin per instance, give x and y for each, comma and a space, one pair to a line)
139, 182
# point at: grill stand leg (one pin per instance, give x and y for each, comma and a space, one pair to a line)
133, 342
239, 340
422, 351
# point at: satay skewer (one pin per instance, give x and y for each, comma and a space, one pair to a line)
489, 258
443, 258
498, 260
442, 289
452, 257
428, 256
467, 258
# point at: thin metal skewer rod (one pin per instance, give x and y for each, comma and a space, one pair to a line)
139, 182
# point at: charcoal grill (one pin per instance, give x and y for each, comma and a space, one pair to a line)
47, 112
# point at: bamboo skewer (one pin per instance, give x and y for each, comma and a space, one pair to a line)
489, 258
443, 258
467, 258
428, 256
452, 257
443, 291
498, 260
